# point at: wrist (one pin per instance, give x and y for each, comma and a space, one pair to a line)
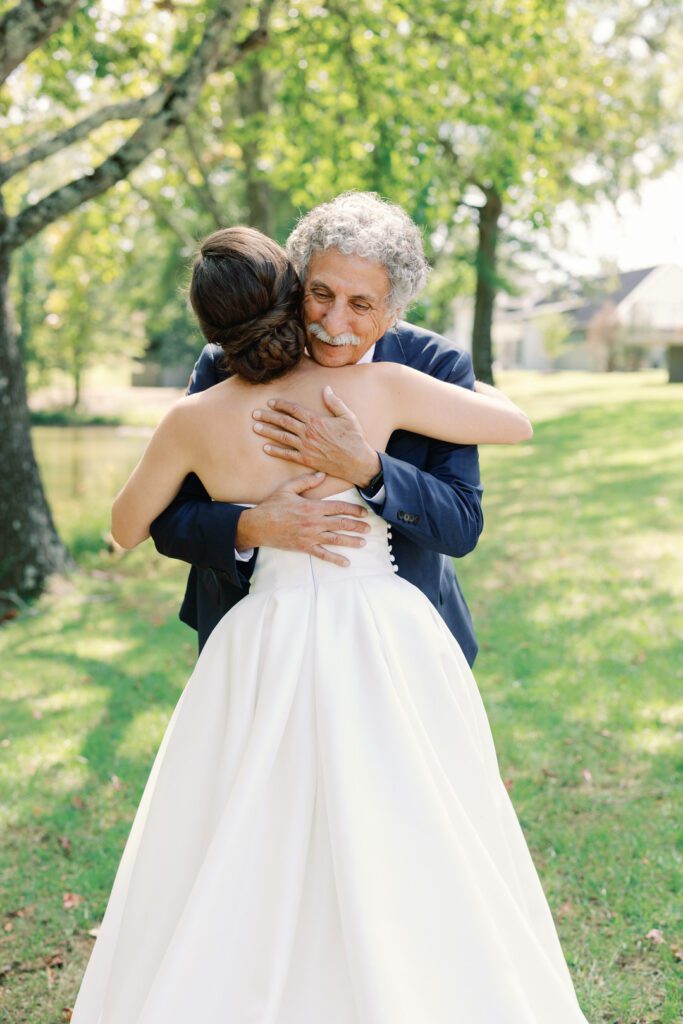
245, 534
372, 467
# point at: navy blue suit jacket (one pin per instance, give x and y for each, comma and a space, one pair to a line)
433, 502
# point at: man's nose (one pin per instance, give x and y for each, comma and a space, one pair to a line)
335, 320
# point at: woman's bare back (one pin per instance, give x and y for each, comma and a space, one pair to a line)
230, 460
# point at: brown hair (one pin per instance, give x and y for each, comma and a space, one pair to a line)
247, 298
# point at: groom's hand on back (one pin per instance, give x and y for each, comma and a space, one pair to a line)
289, 520
334, 444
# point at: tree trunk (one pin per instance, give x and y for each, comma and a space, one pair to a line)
30, 549
76, 377
26, 275
254, 108
482, 355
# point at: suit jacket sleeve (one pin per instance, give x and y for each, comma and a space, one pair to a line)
194, 528
438, 507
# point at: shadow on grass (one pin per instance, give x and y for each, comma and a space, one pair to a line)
580, 670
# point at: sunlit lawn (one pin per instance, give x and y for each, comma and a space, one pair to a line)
576, 590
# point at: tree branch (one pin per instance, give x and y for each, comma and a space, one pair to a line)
254, 41
125, 111
26, 26
165, 216
205, 189
180, 97
352, 61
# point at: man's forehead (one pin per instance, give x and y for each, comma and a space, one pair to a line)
319, 280
352, 275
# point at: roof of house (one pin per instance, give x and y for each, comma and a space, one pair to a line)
585, 297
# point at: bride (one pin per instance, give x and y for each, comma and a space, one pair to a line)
324, 837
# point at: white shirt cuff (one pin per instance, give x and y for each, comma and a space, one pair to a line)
376, 499
243, 556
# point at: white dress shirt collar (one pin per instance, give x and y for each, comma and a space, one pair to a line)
367, 356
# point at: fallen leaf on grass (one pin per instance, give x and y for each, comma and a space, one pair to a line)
677, 952
67, 1012
8, 926
71, 900
565, 909
508, 783
116, 782
65, 844
655, 935
21, 911
548, 773
94, 932
56, 960
587, 776
78, 802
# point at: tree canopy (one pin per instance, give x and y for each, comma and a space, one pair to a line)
131, 129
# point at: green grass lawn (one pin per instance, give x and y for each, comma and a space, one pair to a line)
576, 590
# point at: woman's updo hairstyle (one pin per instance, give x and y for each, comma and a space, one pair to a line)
247, 298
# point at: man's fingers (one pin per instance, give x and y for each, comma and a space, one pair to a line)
335, 404
283, 437
343, 540
299, 412
329, 556
352, 525
299, 484
289, 454
344, 508
277, 419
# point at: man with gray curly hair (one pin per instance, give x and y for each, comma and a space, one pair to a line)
362, 262
362, 224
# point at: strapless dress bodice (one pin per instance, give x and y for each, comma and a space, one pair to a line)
276, 568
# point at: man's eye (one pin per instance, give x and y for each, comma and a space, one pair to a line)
321, 296
360, 307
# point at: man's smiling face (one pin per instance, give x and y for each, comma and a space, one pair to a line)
345, 307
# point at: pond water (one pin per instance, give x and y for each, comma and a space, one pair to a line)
83, 468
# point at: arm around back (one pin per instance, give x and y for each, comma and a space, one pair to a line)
438, 506
424, 405
443, 494
194, 528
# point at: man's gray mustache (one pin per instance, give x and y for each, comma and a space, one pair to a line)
339, 339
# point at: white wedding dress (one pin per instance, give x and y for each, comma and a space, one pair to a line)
324, 837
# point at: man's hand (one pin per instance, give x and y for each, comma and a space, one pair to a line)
288, 520
331, 444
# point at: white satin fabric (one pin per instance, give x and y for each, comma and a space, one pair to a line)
324, 837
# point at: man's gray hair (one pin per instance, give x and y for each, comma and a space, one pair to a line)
363, 224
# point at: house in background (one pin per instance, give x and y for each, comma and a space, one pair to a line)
625, 321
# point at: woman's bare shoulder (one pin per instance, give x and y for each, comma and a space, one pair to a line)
382, 376
367, 373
